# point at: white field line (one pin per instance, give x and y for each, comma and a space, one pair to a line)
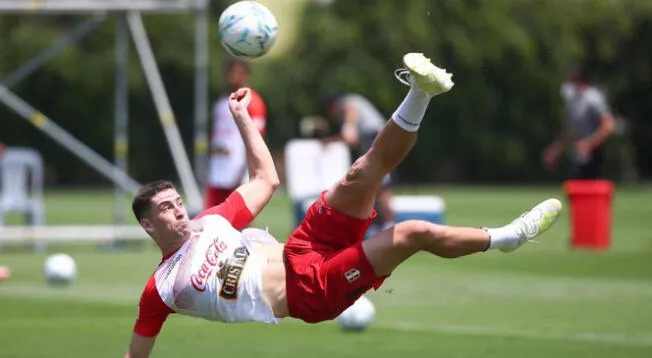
639, 339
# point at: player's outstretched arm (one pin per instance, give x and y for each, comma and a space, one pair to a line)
140, 346
263, 179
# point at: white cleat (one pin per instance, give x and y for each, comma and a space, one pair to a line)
420, 72
535, 222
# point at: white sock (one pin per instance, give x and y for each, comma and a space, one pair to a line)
410, 112
503, 237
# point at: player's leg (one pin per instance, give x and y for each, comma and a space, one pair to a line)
355, 194
386, 216
388, 249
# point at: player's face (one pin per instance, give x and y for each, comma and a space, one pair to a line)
237, 76
168, 216
334, 112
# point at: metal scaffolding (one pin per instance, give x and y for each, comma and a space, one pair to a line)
84, 6
128, 20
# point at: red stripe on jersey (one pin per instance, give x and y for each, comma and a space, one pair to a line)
258, 111
152, 311
233, 209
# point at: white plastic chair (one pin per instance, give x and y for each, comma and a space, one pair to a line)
418, 207
21, 170
311, 168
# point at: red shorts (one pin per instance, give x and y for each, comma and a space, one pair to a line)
326, 268
216, 196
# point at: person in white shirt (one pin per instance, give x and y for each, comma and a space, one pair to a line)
228, 159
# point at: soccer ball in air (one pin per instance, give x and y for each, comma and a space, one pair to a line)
247, 29
60, 269
357, 317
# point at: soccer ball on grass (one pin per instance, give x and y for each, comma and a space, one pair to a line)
358, 316
60, 269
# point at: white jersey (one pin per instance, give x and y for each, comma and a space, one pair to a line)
215, 275
228, 160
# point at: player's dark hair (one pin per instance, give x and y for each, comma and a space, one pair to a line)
578, 73
329, 99
141, 203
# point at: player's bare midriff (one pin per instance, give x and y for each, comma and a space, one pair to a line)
273, 277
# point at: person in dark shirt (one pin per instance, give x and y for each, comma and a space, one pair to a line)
589, 123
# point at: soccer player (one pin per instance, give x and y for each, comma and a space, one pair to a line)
212, 270
228, 159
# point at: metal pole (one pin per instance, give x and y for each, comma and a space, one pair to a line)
48, 54
166, 117
201, 92
121, 139
47, 126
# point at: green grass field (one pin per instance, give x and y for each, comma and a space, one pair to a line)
544, 300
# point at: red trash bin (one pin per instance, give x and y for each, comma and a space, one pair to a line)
590, 204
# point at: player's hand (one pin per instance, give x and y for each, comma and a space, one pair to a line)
583, 148
550, 156
239, 101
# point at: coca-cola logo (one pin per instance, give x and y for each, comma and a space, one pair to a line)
211, 259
